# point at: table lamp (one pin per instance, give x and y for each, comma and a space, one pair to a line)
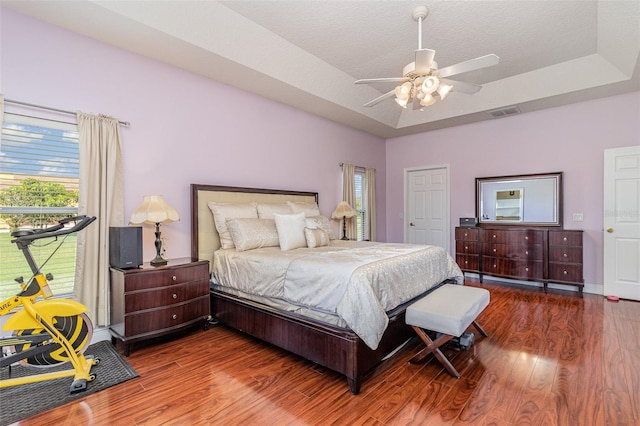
154, 210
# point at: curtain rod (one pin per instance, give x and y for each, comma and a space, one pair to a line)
341, 165
123, 123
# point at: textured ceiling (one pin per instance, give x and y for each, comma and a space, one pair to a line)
308, 53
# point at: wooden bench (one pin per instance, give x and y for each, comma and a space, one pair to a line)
449, 310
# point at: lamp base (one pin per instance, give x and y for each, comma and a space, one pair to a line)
158, 261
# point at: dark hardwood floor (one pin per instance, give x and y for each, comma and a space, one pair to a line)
550, 359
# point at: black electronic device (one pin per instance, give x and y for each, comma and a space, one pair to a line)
125, 246
468, 221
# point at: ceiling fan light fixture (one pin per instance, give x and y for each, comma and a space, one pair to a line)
427, 100
403, 93
444, 89
430, 84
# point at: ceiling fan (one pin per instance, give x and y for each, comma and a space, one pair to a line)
422, 80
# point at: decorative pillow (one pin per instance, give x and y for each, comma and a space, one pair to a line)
309, 209
222, 212
250, 234
316, 237
321, 222
290, 230
266, 211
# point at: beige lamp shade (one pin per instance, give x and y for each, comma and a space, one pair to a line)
343, 210
154, 209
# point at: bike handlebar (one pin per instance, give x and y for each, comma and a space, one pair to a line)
57, 230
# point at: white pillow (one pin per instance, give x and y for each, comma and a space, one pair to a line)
321, 222
222, 212
250, 234
266, 211
316, 237
290, 230
309, 209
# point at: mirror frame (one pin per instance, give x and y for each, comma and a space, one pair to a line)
520, 181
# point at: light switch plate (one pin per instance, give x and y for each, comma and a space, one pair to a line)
578, 217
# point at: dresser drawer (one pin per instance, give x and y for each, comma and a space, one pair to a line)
516, 236
512, 268
467, 262
156, 320
466, 247
164, 277
565, 254
148, 299
515, 252
565, 272
566, 238
467, 234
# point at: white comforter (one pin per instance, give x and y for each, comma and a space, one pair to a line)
359, 282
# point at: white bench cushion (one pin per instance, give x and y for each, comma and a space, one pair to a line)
449, 309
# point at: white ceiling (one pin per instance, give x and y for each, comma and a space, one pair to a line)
307, 54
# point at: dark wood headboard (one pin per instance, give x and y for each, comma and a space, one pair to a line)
204, 237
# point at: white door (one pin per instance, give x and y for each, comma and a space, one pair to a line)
427, 206
622, 222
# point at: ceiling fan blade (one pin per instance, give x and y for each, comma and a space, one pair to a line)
380, 98
424, 59
462, 87
381, 80
470, 65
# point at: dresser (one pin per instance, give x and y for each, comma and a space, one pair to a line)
150, 301
532, 254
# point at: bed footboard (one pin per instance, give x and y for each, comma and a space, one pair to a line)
338, 349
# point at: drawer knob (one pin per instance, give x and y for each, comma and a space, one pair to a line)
174, 316
466, 247
494, 235
174, 278
465, 234
526, 269
526, 238
564, 239
565, 272
466, 262
565, 255
494, 250
175, 296
526, 252
495, 266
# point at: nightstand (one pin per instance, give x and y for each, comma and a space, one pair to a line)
149, 301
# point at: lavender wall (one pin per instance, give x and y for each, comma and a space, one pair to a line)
184, 128
570, 139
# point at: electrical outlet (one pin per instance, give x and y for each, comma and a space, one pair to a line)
578, 217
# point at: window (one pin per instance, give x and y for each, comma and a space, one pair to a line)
39, 177
361, 202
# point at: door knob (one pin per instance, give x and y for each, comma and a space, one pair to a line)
609, 230
411, 224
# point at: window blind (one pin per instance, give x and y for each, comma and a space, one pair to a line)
39, 182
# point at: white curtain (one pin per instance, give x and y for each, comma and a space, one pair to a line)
349, 195
100, 195
1, 109
370, 208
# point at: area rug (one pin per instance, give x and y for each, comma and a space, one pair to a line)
22, 401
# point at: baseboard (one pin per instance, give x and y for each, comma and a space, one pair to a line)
588, 288
100, 334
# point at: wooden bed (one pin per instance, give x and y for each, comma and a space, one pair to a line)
334, 347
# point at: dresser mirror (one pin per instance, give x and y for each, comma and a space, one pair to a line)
525, 200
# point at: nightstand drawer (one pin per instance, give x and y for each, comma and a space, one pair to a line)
173, 316
164, 277
165, 296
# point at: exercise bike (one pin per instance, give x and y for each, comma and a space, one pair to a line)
46, 332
